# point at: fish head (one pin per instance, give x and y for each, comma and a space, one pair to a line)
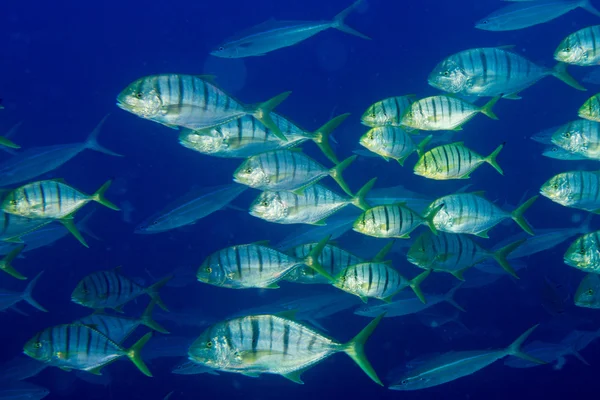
487, 24
11, 204
366, 224
583, 254
448, 76
233, 50
38, 348
376, 116
570, 137
571, 50
558, 189
84, 293
588, 292
141, 98
590, 109
212, 272
204, 141
373, 139
419, 253
421, 169
251, 173
412, 383
211, 348
269, 206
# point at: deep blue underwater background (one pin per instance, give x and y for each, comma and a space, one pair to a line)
62, 65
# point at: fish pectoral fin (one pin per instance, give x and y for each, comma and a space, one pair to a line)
251, 357
251, 374
272, 286
96, 371
66, 369
288, 314
295, 376
483, 234
512, 96
320, 223
13, 240
119, 309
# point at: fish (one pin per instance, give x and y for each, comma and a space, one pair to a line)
527, 14
491, 72
274, 344
580, 48
288, 170
188, 367
6, 263
473, 214
456, 253
444, 112
274, 35
393, 221
9, 299
581, 137
584, 253
36, 161
547, 352
246, 137
590, 110
11, 133
117, 327
545, 136
337, 225
378, 280
558, 153
387, 112
457, 364
21, 391
313, 206
80, 347
588, 292
574, 189
190, 101
409, 305
392, 142
190, 208
110, 289
554, 297
255, 266
454, 161
54, 200
20, 368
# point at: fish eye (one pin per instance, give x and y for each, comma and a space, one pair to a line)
37, 345
371, 136
209, 345
85, 291
567, 135
13, 202
221, 48
264, 203
590, 292
248, 170
485, 21
446, 73
138, 95
154, 222
582, 251
405, 382
554, 149
555, 186
567, 49
208, 270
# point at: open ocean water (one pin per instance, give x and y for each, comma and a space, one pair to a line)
64, 63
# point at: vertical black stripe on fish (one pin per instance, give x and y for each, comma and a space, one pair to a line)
312, 342
255, 334
387, 219
484, 66
447, 159
397, 109
286, 337
58, 196
253, 125
271, 332
205, 94
88, 341
370, 277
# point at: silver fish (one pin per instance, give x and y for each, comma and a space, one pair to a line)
10, 299
22, 391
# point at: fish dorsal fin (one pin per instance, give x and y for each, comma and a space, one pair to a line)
459, 144
261, 243
209, 78
59, 180
480, 193
288, 314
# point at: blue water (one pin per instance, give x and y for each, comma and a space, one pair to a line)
62, 66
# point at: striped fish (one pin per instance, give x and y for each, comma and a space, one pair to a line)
80, 347
13, 227
118, 328
53, 199
472, 213
491, 72
6, 263
580, 137
454, 161
575, 189
315, 204
455, 254
274, 344
580, 48
591, 108
387, 112
191, 101
588, 292
246, 137
110, 289
584, 253
255, 266
392, 142
393, 221
559, 153
287, 169
444, 113
378, 280
332, 258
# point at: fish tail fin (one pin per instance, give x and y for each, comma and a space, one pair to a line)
70, 225
491, 159
587, 6
585, 225
560, 71
321, 136
339, 23
415, 285
99, 196
263, 113
153, 291
82, 224
312, 260
360, 199
380, 256
487, 108
515, 347
92, 140
134, 354
518, 217
449, 297
28, 293
6, 263
500, 256
8, 143
336, 173
356, 349
430, 216
421, 146
149, 322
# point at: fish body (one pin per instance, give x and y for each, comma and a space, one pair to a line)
20, 368
387, 112
575, 189
392, 142
473, 214
584, 253
491, 72
273, 35
9, 299
22, 391
443, 113
548, 352
522, 15
591, 108
581, 137
392, 221
272, 344
14, 227
558, 153
588, 292
190, 101
190, 208
580, 48
80, 347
